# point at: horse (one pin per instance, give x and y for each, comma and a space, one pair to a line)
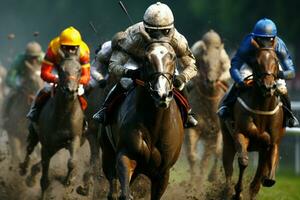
208, 87
145, 132
95, 98
258, 126
60, 124
17, 106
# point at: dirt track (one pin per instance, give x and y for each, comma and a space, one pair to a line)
13, 187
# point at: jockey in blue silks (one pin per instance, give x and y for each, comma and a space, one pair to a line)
265, 34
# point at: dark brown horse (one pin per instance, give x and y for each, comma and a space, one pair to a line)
60, 123
146, 131
208, 87
258, 126
17, 106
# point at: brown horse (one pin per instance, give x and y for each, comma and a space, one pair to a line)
17, 106
60, 123
208, 87
146, 131
258, 126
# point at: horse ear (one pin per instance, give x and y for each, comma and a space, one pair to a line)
254, 43
61, 53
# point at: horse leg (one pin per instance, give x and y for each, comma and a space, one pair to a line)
192, 139
241, 143
44, 182
228, 158
93, 170
32, 140
205, 159
74, 146
125, 168
255, 184
272, 163
109, 166
217, 152
159, 184
35, 169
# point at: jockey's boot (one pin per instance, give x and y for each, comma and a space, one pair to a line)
101, 115
290, 119
227, 102
37, 105
190, 121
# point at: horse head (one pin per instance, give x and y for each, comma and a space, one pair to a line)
265, 69
159, 72
69, 73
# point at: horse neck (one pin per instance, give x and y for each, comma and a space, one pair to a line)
62, 105
261, 102
153, 116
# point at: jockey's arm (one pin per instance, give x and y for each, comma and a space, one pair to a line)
286, 61
48, 65
117, 62
186, 59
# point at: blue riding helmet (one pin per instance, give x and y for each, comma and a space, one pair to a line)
264, 28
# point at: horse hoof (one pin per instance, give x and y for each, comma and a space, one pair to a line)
237, 197
30, 182
83, 191
268, 182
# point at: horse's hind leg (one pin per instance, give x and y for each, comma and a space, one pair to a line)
93, 170
261, 168
205, 159
109, 167
125, 169
241, 145
159, 184
35, 169
217, 149
32, 140
191, 142
227, 158
74, 146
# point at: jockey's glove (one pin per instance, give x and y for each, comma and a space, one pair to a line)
80, 90
179, 81
132, 73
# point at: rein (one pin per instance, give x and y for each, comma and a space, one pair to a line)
259, 112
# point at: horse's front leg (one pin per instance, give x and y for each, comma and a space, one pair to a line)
125, 169
272, 163
74, 146
159, 184
241, 144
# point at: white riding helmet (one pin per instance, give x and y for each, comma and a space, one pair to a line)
158, 16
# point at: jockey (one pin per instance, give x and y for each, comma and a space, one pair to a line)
207, 49
265, 34
33, 55
158, 22
99, 66
69, 42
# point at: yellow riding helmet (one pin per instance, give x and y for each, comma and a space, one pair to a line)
70, 37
